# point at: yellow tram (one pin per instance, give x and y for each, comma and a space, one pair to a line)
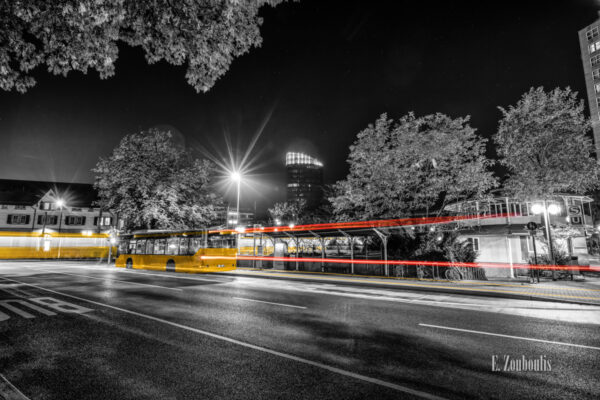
178, 251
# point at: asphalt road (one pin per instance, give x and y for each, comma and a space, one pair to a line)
87, 331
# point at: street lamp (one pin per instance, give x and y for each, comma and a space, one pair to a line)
60, 203
237, 178
547, 210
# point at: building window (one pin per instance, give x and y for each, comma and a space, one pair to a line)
595, 60
45, 205
529, 244
102, 221
20, 207
292, 158
17, 219
4, 207
596, 74
74, 220
474, 243
50, 219
592, 33
515, 208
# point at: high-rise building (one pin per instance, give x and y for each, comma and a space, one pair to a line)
589, 41
304, 179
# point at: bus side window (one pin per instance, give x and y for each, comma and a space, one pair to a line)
229, 242
173, 246
149, 246
131, 249
159, 246
183, 245
195, 244
214, 242
123, 246
140, 246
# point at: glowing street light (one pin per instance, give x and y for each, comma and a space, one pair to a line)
236, 177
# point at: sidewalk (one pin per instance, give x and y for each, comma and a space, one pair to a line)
579, 292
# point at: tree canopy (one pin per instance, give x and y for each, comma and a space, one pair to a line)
77, 35
404, 167
544, 142
152, 183
287, 212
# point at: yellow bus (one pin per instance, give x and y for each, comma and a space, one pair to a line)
51, 244
178, 251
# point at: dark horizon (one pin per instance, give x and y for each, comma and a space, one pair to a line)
323, 73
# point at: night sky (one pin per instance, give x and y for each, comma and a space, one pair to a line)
326, 69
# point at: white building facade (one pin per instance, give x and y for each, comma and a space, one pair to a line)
506, 238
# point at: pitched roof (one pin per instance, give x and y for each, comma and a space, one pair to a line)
18, 192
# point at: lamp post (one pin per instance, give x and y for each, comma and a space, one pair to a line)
237, 178
546, 210
60, 203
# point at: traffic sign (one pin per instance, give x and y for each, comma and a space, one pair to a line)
575, 215
574, 210
532, 226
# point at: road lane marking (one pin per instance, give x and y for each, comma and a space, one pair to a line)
511, 336
121, 270
269, 302
166, 275
317, 364
399, 278
8, 391
112, 279
407, 284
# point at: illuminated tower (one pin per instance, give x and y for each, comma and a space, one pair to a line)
304, 179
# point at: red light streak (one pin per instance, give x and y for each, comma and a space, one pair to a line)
386, 223
406, 262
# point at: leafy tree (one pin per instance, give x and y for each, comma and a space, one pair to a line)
426, 245
77, 35
152, 183
287, 212
544, 142
412, 165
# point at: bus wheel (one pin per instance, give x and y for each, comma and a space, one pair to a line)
171, 265
129, 263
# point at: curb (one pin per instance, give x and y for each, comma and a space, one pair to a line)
515, 296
